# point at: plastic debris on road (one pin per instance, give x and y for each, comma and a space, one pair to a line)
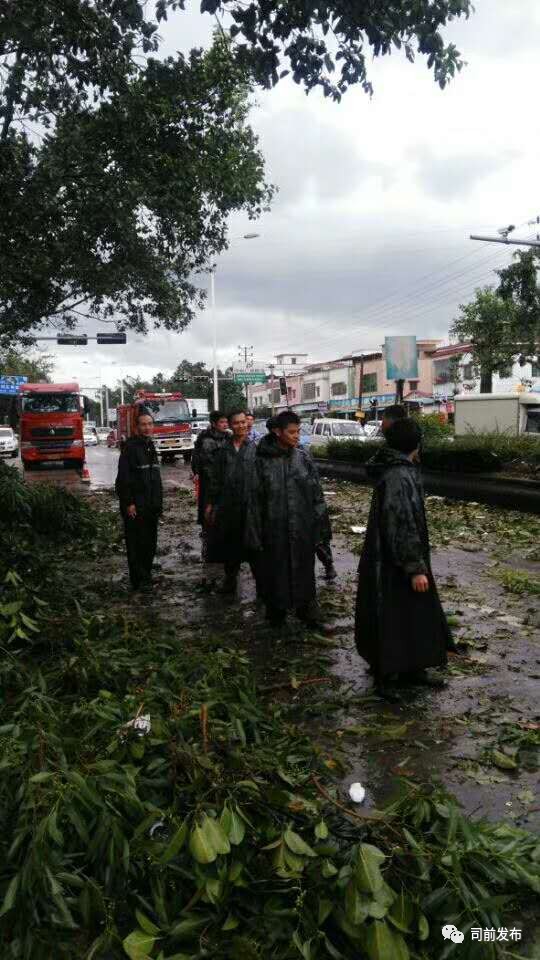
140, 724
357, 793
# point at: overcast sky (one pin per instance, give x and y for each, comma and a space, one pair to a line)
368, 235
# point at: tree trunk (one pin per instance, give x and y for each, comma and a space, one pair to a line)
486, 380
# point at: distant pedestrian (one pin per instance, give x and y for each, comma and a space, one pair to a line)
401, 628
139, 489
253, 436
291, 522
230, 488
207, 446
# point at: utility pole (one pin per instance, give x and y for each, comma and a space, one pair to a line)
272, 367
106, 424
361, 390
504, 236
245, 356
101, 406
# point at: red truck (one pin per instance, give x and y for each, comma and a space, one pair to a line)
51, 423
172, 433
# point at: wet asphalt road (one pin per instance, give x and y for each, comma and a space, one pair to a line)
102, 463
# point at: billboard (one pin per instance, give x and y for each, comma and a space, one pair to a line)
401, 358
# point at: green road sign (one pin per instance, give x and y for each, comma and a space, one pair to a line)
249, 378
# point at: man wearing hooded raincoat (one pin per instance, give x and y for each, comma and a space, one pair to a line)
400, 624
289, 522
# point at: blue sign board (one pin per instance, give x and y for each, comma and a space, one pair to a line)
9, 386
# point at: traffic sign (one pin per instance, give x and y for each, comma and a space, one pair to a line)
249, 377
9, 386
114, 337
72, 340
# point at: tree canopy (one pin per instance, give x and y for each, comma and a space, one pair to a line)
328, 43
503, 323
119, 170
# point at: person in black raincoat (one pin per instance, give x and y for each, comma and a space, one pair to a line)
138, 486
230, 488
207, 445
291, 521
400, 624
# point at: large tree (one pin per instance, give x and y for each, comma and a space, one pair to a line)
117, 178
119, 170
518, 286
487, 323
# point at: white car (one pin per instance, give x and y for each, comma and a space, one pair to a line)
9, 443
327, 429
197, 426
90, 439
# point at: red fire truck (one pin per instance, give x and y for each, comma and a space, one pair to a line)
172, 423
51, 424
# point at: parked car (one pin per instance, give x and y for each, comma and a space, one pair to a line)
90, 438
9, 442
328, 429
373, 430
199, 424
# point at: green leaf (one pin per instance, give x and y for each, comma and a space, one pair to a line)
355, 908
177, 842
231, 923
423, 927
187, 928
381, 943
321, 830
11, 893
237, 831
138, 945
146, 924
201, 846
325, 909
297, 845
402, 913
216, 835
328, 869
502, 761
368, 872
42, 776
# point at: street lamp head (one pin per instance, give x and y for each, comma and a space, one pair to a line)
250, 236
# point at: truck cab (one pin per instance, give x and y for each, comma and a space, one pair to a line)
172, 433
51, 425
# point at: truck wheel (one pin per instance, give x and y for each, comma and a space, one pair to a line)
187, 457
167, 457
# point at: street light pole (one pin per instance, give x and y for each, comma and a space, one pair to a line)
214, 321
246, 236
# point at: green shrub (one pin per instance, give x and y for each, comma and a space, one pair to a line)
50, 511
461, 456
432, 428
